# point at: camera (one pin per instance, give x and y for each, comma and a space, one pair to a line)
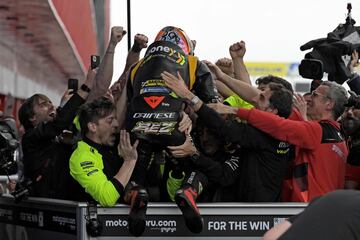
332, 53
8, 147
311, 68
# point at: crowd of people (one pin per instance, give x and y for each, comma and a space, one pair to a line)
174, 128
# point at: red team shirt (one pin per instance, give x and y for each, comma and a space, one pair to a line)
320, 153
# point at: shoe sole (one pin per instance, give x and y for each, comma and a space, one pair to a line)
137, 216
193, 220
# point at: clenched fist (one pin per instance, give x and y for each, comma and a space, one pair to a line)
237, 50
117, 33
141, 39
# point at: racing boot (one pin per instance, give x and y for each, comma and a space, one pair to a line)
186, 197
138, 199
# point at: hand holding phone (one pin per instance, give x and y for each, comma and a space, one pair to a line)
95, 61
73, 84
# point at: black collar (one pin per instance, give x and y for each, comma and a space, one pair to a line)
93, 144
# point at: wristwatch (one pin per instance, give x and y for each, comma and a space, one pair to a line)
194, 100
85, 88
195, 157
353, 74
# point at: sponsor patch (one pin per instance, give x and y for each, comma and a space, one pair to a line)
154, 101
155, 90
86, 163
166, 115
175, 55
153, 83
158, 128
92, 172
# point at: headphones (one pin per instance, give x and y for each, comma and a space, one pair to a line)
93, 225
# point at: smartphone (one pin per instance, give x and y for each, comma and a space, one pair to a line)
73, 84
95, 61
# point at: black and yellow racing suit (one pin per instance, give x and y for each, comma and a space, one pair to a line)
153, 109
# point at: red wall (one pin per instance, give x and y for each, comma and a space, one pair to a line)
77, 18
10, 110
107, 21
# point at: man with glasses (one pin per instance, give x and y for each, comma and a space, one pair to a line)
321, 151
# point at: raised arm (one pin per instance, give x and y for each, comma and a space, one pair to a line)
104, 76
354, 81
237, 53
305, 134
66, 114
244, 90
226, 65
121, 107
140, 42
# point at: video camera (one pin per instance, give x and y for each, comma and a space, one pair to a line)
9, 154
328, 54
9, 145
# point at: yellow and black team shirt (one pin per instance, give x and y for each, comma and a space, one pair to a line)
93, 166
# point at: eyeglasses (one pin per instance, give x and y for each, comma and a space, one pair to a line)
315, 94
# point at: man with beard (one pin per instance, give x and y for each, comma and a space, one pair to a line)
320, 147
96, 164
41, 143
350, 122
261, 170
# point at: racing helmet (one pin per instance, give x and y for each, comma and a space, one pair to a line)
177, 36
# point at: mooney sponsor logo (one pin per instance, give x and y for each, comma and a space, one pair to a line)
157, 128
155, 115
172, 52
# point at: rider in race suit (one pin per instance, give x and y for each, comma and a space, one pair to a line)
153, 111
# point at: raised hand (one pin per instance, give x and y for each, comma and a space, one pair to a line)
226, 65
237, 50
215, 69
354, 61
185, 123
301, 105
176, 84
89, 81
184, 150
141, 40
128, 152
117, 33
66, 96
